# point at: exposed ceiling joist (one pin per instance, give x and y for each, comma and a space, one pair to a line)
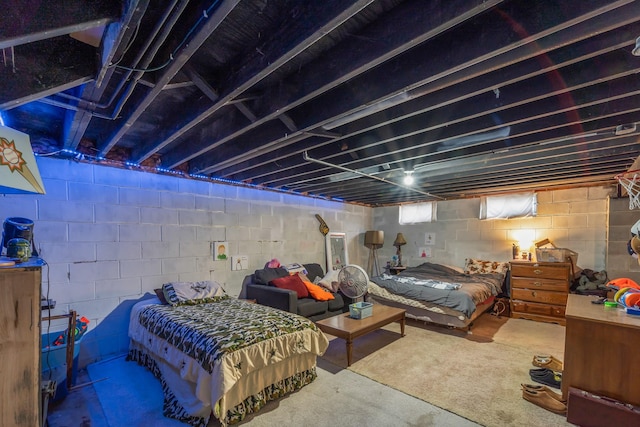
475, 97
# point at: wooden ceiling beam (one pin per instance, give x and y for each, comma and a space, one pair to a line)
43, 68
509, 109
375, 86
22, 24
197, 39
340, 65
578, 74
417, 155
117, 36
316, 20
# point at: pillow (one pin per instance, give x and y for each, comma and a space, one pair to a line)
318, 293
160, 296
330, 281
314, 271
266, 275
293, 283
478, 266
179, 292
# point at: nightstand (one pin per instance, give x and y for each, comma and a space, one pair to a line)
539, 290
395, 270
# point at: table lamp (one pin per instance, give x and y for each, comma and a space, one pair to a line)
398, 243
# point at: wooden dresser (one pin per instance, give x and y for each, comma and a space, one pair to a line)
601, 344
20, 344
539, 290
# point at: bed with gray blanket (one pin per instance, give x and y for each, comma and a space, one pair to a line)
437, 293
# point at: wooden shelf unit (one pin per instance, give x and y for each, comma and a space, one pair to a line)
539, 290
20, 310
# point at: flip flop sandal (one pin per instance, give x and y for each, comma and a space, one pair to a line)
550, 378
547, 361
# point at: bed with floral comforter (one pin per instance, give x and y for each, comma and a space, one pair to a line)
222, 356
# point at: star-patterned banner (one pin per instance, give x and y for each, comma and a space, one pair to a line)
18, 168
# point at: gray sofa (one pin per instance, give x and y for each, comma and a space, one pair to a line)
256, 286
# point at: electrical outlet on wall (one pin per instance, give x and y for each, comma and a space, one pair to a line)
239, 262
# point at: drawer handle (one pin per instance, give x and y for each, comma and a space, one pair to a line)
537, 271
537, 283
534, 293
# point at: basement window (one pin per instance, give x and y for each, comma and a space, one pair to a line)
510, 206
417, 213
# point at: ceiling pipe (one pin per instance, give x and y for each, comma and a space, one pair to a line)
321, 162
156, 47
129, 71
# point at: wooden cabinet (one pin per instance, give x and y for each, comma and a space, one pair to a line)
539, 290
394, 270
600, 346
20, 345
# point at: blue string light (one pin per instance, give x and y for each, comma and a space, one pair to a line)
86, 157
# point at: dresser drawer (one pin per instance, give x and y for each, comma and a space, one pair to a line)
540, 284
545, 297
536, 308
540, 271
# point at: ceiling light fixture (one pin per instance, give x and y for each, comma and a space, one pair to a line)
306, 157
408, 178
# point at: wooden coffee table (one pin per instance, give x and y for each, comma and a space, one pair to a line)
347, 328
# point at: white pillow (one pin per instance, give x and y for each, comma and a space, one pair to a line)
330, 280
177, 292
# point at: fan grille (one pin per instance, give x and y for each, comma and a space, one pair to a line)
353, 281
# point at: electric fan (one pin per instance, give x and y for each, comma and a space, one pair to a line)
353, 281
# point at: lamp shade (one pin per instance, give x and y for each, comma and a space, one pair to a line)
374, 238
400, 240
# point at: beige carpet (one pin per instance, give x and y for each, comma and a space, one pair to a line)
476, 376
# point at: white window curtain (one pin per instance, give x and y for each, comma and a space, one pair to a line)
510, 206
416, 213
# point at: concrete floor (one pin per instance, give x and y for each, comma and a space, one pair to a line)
79, 408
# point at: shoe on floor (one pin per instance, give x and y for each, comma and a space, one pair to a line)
547, 361
546, 376
543, 389
545, 401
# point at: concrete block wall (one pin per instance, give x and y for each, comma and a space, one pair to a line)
621, 218
110, 236
576, 219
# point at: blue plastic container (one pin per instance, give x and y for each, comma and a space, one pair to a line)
54, 363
